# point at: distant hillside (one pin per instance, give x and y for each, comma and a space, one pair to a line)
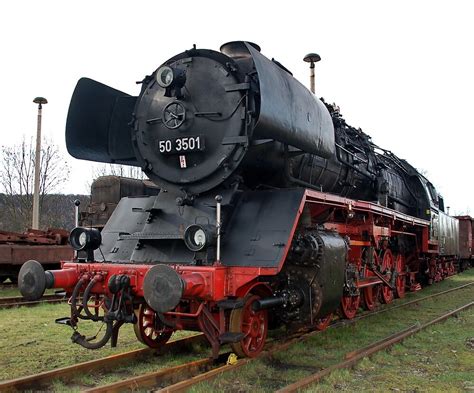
56, 211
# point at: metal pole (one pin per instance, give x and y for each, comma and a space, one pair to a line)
311, 58
218, 227
311, 78
77, 202
35, 224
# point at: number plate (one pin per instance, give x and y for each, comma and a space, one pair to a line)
181, 145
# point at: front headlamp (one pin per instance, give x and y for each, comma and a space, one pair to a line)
197, 237
165, 76
172, 79
85, 238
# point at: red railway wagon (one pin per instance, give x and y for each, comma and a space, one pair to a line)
47, 247
466, 246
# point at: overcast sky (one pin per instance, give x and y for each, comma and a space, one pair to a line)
403, 71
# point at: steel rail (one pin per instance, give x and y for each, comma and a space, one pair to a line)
386, 308
161, 377
17, 301
189, 373
355, 356
70, 372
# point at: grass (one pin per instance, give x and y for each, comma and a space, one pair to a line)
31, 342
423, 362
440, 358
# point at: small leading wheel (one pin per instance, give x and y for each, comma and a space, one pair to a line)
387, 266
400, 281
370, 297
349, 306
253, 324
323, 323
149, 329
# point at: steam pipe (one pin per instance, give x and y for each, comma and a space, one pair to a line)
263, 304
86, 343
86, 297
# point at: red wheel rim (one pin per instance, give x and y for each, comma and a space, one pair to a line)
149, 329
370, 294
349, 306
323, 323
253, 324
400, 281
387, 266
370, 297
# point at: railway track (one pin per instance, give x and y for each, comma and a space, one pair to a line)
17, 301
185, 375
66, 374
353, 357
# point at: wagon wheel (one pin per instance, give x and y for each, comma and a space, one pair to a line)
149, 329
323, 323
253, 324
371, 295
400, 281
349, 306
387, 266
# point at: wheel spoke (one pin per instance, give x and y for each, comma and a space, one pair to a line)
149, 329
253, 324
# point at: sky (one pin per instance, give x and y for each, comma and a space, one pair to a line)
403, 71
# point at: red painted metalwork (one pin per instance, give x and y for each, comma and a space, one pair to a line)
324, 322
201, 282
349, 306
65, 278
253, 324
387, 264
149, 329
400, 281
370, 296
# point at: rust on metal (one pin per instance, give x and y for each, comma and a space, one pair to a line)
157, 378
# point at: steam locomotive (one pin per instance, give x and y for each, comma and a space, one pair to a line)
268, 200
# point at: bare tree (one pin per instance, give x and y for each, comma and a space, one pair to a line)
119, 170
17, 179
